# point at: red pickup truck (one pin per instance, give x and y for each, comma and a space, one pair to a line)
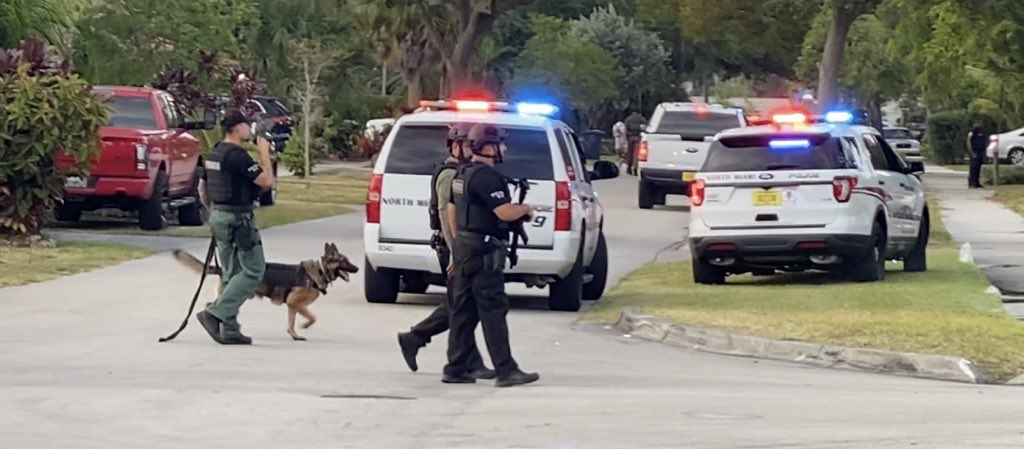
148, 162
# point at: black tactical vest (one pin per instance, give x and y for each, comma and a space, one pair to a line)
979, 141
435, 216
471, 215
226, 188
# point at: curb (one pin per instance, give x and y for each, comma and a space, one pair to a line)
939, 367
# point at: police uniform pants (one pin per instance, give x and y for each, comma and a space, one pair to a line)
437, 322
974, 176
479, 297
240, 251
630, 160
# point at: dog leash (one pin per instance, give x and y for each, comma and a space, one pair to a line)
210, 255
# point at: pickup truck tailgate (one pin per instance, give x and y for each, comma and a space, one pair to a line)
674, 151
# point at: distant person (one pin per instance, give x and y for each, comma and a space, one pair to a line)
977, 142
635, 125
621, 140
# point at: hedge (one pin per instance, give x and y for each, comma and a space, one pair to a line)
1008, 174
946, 138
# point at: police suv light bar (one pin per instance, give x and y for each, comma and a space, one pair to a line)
489, 106
792, 118
839, 117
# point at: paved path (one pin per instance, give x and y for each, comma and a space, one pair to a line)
995, 233
80, 368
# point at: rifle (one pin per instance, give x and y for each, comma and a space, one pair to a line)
516, 228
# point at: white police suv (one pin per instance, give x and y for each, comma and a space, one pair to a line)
566, 250
796, 195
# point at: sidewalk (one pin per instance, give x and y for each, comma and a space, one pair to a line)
995, 233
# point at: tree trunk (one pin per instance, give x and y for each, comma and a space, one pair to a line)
414, 89
460, 61
832, 58
384, 78
307, 112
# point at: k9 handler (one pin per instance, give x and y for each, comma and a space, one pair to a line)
480, 217
231, 181
440, 195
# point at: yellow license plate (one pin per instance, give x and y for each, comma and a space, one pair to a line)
767, 198
689, 175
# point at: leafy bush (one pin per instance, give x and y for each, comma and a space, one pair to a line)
946, 138
294, 156
44, 108
1008, 174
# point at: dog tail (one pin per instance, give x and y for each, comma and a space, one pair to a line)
192, 263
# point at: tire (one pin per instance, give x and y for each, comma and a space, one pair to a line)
707, 274
414, 283
871, 268
1016, 156
917, 260
269, 198
380, 285
193, 214
151, 212
567, 294
645, 195
68, 212
593, 290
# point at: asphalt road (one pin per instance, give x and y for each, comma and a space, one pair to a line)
80, 368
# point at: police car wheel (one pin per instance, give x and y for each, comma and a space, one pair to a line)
706, 273
593, 290
645, 195
380, 285
567, 294
871, 267
917, 260
151, 212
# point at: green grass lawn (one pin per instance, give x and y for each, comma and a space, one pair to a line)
942, 311
962, 168
326, 195
1011, 196
19, 266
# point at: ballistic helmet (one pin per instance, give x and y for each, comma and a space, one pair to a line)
484, 134
458, 131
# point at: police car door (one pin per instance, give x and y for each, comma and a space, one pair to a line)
585, 191
901, 191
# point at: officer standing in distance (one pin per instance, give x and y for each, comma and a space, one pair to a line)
977, 142
231, 181
440, 197
481, 217
635, 125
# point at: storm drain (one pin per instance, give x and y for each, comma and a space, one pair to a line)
367, 396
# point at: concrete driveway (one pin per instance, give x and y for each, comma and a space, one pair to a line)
80, 368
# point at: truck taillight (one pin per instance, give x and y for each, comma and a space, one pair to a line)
842, 187
373, 199
563, 207
141, 156
697, 192
641, 153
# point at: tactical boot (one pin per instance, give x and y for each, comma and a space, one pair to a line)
483, 372
211, 324
518, 377
231, 334
458, 379
410, 345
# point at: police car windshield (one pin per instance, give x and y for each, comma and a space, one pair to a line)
131, 112
758, 153
417, 149
691, 123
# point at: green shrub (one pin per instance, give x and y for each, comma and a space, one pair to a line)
43, 108
946, 136
1008, 174
294, 156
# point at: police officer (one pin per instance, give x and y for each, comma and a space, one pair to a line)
977, 141
481, 217
440, 195
635, 125
231, 181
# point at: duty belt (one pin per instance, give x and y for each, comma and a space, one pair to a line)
233, 208
487, 238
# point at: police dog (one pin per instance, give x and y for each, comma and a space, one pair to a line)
296, 285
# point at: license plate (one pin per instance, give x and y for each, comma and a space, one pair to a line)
74, 182
689, 175
767, 198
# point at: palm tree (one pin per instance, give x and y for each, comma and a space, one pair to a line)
48, 19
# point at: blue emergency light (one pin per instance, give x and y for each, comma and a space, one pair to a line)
536, 108
789, 144
839, 117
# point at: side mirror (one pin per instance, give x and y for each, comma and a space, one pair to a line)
604, 170
916, 168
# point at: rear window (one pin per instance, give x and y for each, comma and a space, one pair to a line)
897, 134
417, 149
131, 112
690, 123
759, 153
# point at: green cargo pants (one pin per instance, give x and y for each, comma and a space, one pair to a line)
240, 250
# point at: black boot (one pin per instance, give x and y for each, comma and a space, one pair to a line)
211, 324
410, 345
483, 372
518, 377
458, 379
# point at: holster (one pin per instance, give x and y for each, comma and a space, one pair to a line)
478, 253
244, 233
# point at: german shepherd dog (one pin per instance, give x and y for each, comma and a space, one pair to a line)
296, 285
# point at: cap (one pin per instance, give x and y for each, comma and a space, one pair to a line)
233, 118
